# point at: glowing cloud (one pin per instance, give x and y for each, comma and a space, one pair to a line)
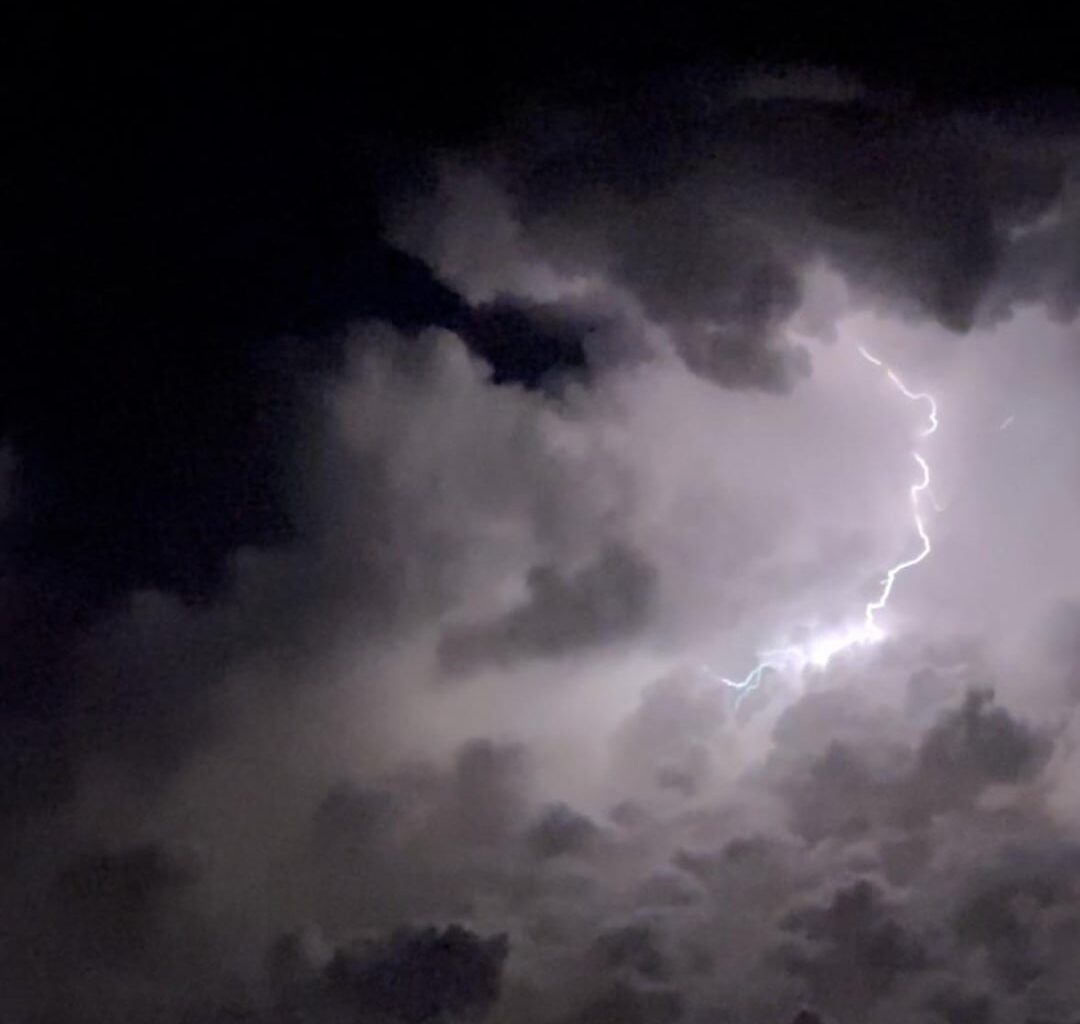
819, 649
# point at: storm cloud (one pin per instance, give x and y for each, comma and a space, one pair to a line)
381, 647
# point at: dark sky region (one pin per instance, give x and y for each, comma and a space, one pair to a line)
409, 419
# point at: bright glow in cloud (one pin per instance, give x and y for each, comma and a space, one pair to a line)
820, 648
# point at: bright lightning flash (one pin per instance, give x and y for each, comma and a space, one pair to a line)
820, 649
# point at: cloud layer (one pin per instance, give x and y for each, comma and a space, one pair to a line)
458, 749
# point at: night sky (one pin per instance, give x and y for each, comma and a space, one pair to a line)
416, 427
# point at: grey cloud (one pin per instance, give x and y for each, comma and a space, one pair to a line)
560, 830
842, 794
633, 1005
669, 887
854, 950
411, 976
973, 747
295, 960
353, 821
963, 1008
834, 715
427, 839
419, 975
121, 900
1063, 641
1012, 906
706, 208
489, 787
605, 600
807, 1017
861, 783
905, 857
107, 933
666, 744
837, 766
633, 948
145, 685
840, 844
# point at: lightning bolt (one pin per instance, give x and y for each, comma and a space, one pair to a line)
820, 649
915, 396
915, 491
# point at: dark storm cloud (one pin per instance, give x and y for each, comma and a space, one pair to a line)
141, 683
669, 888
1019, 906
120, 901
855, 951
526, 342
606, 600
807, 1017
855, 786
247, 548
430, 841
706, 203
633, 949
634, 1005
356, 821
973, 747
561, 831
413, 976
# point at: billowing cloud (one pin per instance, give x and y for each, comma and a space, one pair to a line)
703, 204
606, 599
458, 745
411, 977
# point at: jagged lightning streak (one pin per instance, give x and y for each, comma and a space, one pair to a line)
915, 396
820, 649
916, 489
